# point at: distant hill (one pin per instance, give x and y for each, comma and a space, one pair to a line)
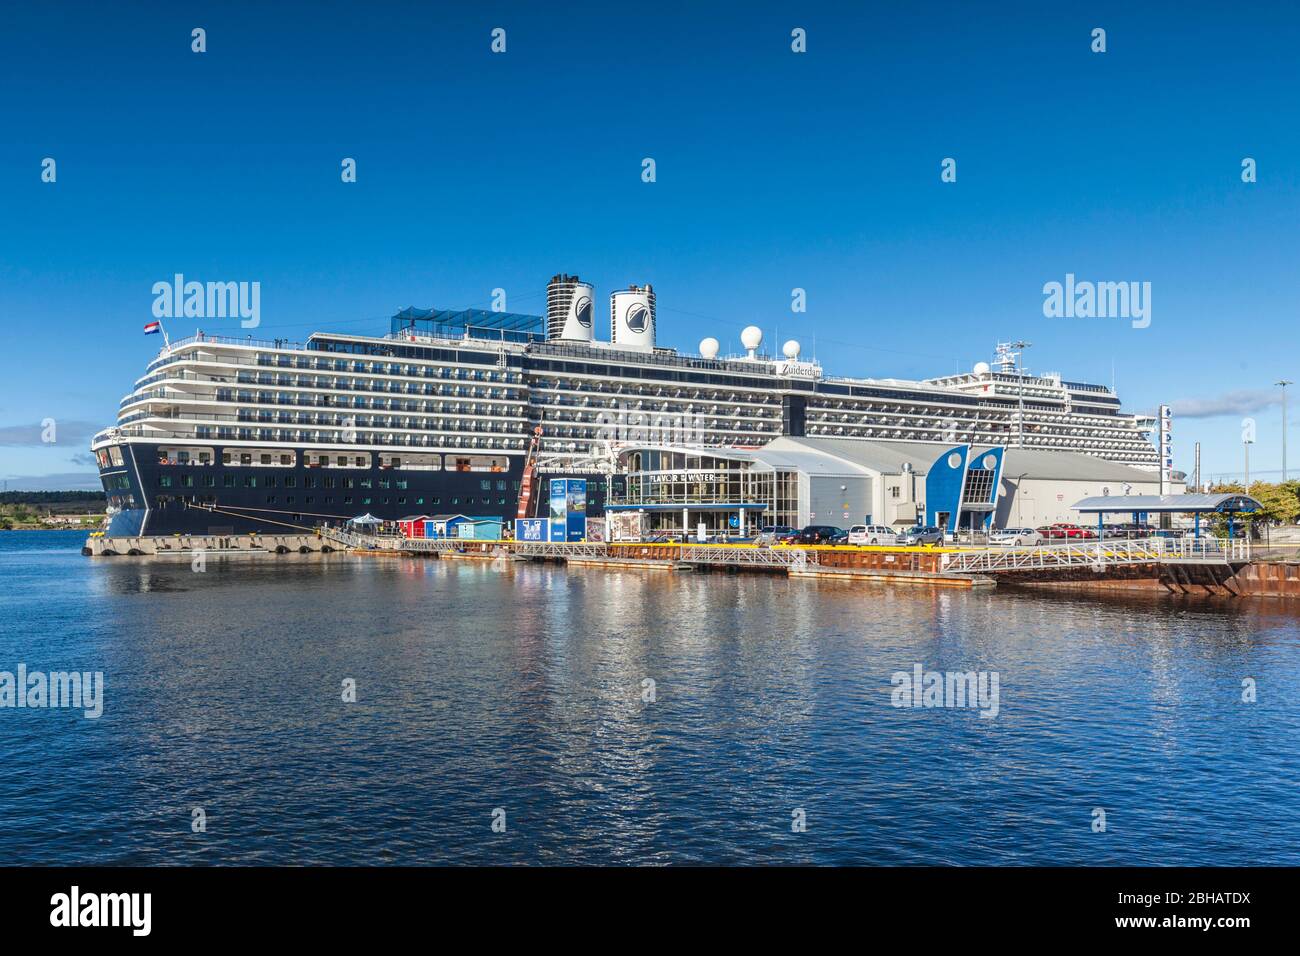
87, 481
58, 502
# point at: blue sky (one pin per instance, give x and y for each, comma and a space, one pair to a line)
775, 170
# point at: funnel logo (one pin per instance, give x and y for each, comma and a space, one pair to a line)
638, 317
583, 311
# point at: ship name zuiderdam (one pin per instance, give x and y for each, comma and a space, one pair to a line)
229, 435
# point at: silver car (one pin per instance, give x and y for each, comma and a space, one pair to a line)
915, 536
1015, 537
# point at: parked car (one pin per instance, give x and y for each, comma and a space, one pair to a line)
1016, 537
1051, 532
772, 533
921, 535
861, 534
1133, 529
842, 537
1073, 530
815, 534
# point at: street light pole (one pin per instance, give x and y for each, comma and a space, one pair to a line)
1284, 383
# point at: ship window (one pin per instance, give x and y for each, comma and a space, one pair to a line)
228, 481
250, 481
164, 481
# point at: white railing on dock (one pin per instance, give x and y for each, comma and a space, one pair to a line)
1100, 554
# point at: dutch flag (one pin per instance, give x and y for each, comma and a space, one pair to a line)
152, 328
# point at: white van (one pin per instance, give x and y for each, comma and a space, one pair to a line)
861, 534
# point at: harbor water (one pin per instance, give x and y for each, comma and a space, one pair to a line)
633, 717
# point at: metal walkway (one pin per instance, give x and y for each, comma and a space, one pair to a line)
1099, 555
1095, 555
741, 557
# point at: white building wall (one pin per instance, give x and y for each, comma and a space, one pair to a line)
838, 500
1034, 502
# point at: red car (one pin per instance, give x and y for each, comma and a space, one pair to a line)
1071, 531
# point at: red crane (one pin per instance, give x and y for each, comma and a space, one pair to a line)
530, 475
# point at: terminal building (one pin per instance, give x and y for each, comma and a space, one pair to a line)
799, 481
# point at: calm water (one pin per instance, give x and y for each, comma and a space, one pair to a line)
520, 687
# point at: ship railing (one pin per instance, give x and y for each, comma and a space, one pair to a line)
205, 337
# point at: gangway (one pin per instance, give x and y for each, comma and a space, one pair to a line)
1099, 555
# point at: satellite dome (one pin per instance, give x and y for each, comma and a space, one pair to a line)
791, 349
709, 347
752, 337
981, 368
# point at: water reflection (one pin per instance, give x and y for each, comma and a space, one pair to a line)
497, 684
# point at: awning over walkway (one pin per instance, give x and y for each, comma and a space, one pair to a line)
1229, 502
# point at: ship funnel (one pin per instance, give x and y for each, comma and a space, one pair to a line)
632, 318
570, 303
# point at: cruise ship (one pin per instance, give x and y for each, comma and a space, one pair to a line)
227, 435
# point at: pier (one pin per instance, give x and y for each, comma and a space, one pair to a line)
1209, 566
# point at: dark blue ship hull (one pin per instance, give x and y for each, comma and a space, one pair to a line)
153, 498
